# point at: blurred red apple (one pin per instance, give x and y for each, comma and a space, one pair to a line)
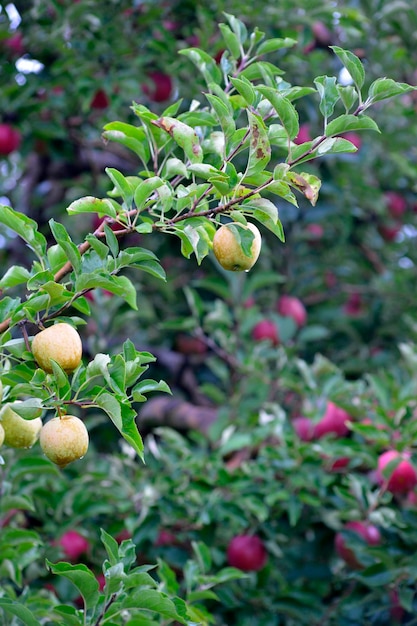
403, 478
266, 330
389, 231
290, 306
353, 306
334, 421
396, 204
304, 428
100, 100
15, 44
165, 538
10, 139
159, 86
369, 533
187, 344
73, 545
247, 552
315, 231
304, 134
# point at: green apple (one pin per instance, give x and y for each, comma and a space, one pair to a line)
64, 439
18, 432
229, 252
2, 435
60, 342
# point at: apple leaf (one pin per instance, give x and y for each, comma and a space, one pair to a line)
147, 386
15, 275
384, 88
345, 123
20, 611
185, 136
82, 577
271, 45
25, 227
329, 94
130, 136
285, 110
63, 239
144, 191
123, 417
89, 204
353, 65
259, 147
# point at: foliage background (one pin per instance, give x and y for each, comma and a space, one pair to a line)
228, 461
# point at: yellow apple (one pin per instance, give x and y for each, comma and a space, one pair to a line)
64, 439
228, 250
60, 342
18, 432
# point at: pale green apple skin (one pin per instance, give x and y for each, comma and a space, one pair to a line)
60, 342
2, 434
18, 432
64, 439
229, 253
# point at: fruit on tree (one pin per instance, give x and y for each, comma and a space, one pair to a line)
247, 552
396, 204
403, 477
19, 432
73, 545
266, 330
165, 538
304, 427
64, 439
368, 532
14, 44
100, 100
228, 250
304, 134
290, 306
2, 435
334, 421
389, 230
159, 86
314, 231
353, 305
10, 139
189, 345
60, 342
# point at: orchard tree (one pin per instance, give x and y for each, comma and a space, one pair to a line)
248, 503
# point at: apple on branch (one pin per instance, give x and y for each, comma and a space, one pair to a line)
228, 250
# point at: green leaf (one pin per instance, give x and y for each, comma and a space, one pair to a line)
15, 275
20, 611
259, 147
329, 94
82, 577
28, 409
119, 285
353, 65
147, 386
68, 246
231, 40
335, 145
123, 418
272, 45
285, 110
121, 184
159, 603
308, 184
111, 545
129, 136
184, 135
344, 123
25, 227
145, 189
348, 96
384, 88
204, 63
238, 27
89, 204
245, 88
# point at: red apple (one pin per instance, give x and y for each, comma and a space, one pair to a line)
403, 478
396, 611
15, 44
334, 421
303, 134
159, 86
187, 344
369, 533
101, 579
315, 231
353, 138
165, 538
304, 428
9, 139
266, 330
73, 545
339, 464
123, 535
389, 231
247, 552
396, 204
290, 306
100, 100
353, 307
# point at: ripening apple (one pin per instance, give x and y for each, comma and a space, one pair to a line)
247, 553
290, 306
368, 532
73, 545
304, 134
314, 231
389, 230
10, 139
228, 251
304, 427
14, 44
64, 439
60, 342
403, 478
165, 538
18, 432
159, 86
334, 421
100, 100
2, 434
266, 330
396, 204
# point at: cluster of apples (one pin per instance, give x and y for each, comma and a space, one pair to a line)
64, 438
